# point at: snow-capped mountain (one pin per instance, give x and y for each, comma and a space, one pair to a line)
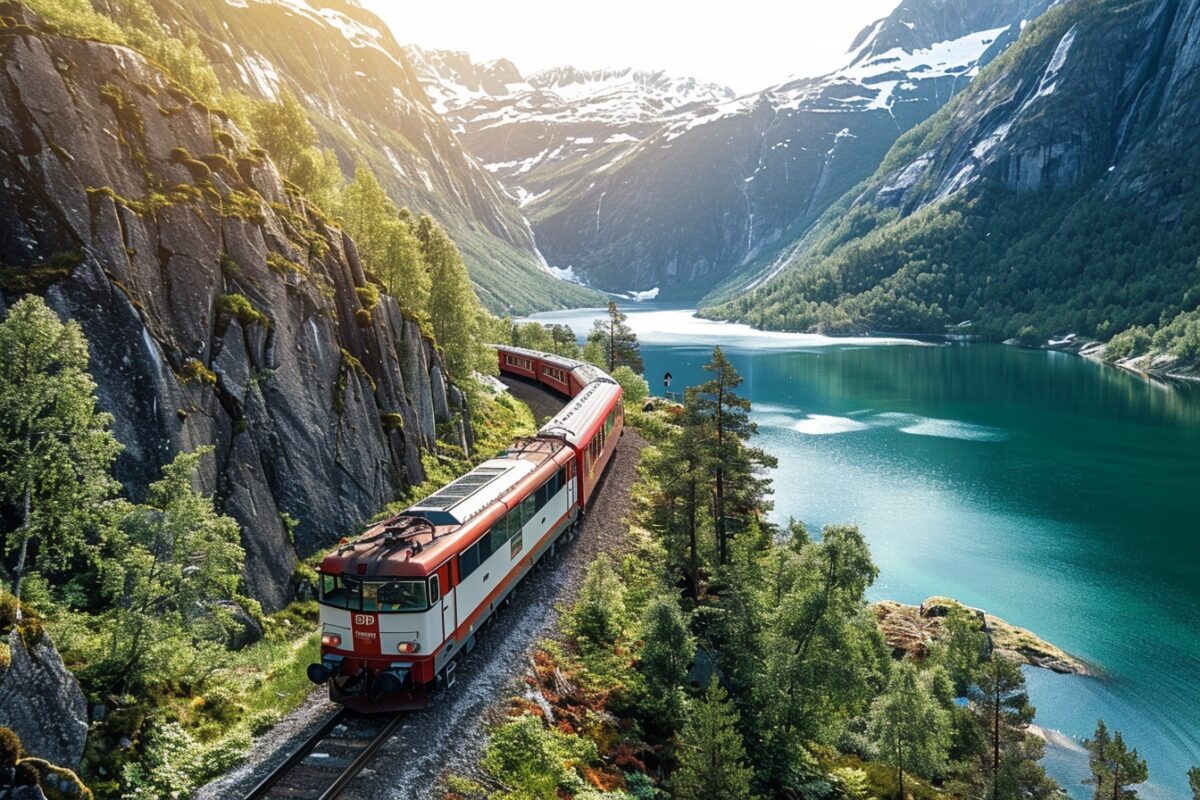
720, 191
532, 130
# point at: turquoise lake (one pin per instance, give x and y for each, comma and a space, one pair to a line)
1058, 494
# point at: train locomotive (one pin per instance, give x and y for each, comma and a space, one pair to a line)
401, 603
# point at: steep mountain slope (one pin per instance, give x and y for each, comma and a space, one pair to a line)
1060, 193
537, 132
221, 308
723, 190
361, 92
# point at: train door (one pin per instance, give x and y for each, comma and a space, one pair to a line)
441, 594
572, 486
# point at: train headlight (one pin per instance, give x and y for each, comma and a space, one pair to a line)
331, 639
408, 647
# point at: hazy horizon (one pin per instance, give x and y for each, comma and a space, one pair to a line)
775, 44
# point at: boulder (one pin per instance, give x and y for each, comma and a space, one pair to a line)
42, 702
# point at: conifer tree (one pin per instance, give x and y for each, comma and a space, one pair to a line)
1115, 768
612, 343
737, 488
910, 728
1194, 782
56, 447
667, 652
711, 753
687, 462
1000, 707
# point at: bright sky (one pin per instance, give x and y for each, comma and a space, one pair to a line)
748, 45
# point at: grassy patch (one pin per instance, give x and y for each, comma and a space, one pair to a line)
240, 308
37, 278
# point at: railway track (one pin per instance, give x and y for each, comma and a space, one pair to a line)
325, 763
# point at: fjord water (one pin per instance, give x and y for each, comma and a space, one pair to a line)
1053, 492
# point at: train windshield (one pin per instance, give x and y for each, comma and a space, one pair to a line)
374, 595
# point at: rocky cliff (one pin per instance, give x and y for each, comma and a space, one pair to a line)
357, 85
221, 308
1058, 194
41, 701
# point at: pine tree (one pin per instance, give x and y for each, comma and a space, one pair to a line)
737, 489
612, 343
1001, 710
687, 459
1194, 782
711, 753
1115, 768
667, 652
910, 728
56, 448
599, 613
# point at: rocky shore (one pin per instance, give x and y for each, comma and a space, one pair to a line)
910, 630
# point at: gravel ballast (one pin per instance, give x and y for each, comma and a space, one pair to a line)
449, 736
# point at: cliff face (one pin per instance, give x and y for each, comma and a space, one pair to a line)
41, 701
360, 90
220, 308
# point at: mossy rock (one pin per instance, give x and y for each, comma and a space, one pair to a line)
391, 421
37, 278
242, 309
224, 139
195, 370
363, 318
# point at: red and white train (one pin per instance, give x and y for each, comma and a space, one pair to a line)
400, 603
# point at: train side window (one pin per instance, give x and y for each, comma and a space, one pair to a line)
435, 592
528, 509
485, 548
467, 562
499, 534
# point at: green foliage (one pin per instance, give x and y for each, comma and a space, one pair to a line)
634, 386
667, 652
712, 757
169, 571
612, 343
1115, 768
910, 727
597, 617
282, 128
175, 763
961, 646
195, 370
56, 448
240, 308
1194, 782
532, 762
37, 278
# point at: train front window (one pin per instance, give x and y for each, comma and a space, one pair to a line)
358, 595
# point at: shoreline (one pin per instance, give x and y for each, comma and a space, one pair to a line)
910, 630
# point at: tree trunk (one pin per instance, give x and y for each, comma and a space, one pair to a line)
693, 556
19, 569
995, 742
900, 766
719, 505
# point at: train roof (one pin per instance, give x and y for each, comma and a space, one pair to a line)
458, 501
424, 535
587, 373
586, 409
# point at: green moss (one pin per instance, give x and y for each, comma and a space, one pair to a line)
146, 206
244, 206
129, 116
218, 162
229, 267
240, 308
57, 783
224, 139
37, 278
391, 421
368, 295
195, 370
363, 318
349, 364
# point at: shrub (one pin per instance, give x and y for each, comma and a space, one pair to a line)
368, 295
597, 617
634, 386
240, 308
195, 370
